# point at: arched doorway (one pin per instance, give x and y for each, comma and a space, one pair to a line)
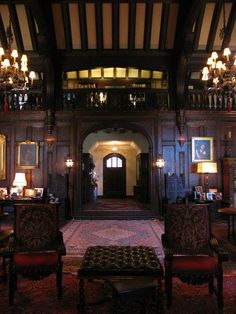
114, 176
102, 143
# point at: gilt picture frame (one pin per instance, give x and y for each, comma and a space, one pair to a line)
2, 157
28, 155
202, 149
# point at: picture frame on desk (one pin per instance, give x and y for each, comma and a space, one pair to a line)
28, 155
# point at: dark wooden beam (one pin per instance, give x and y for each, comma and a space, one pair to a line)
115, 26
164, 25
188, 13
198, 27
214, 25
230, 26
83, 26
148, 25
132, 16
3, 36
32, 28
16, 27
67, 28
99, 26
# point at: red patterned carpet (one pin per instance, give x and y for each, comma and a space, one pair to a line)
127, 204
40, 297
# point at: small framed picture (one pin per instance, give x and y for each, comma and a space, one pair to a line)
198, 188
3, 193
39, 192
218, 196
27, 155
210, 196
202, 149
29, 192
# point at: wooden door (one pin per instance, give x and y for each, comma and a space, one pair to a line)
114, 176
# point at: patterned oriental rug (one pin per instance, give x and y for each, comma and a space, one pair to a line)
40, 297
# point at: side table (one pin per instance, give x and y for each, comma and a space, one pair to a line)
109, 262
231, 213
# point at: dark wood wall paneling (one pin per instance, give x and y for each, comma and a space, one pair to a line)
69, 131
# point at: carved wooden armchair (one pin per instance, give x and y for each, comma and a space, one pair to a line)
37, 246
191, 252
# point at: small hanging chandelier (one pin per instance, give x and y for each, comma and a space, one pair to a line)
13, 75
220, 71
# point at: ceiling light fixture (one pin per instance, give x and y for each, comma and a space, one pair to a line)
220, 71
12, 74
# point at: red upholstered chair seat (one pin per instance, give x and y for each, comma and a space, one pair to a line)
37, 259
207, 264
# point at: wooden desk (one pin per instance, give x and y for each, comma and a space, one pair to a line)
106, 262
12, 202
231, 213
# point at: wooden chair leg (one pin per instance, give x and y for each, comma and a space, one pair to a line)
12, 284
168, 287
211, 285
220, 289
59, 282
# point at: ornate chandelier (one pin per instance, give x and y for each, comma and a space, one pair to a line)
13, 75
220, 71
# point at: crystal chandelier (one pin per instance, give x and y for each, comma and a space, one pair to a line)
13, 75
220, 71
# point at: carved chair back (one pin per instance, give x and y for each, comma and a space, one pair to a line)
187, 229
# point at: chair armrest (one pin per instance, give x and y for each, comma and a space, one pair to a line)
60, 244
167, 251
218, 249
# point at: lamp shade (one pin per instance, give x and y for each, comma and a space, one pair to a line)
207, 167
19, 179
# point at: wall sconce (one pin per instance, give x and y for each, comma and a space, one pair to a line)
160, 164
206, 168
49, 139
19, 181
181, 140
69, 164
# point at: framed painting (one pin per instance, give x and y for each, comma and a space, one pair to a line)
27, 155
202, 149
2, 157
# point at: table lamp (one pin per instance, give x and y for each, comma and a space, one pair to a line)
206, 168
19, 182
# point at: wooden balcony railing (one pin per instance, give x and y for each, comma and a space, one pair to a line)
115, 99
118, 99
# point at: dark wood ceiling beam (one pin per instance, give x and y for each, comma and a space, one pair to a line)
83, 26
164, 25
3, 36
115, 26
16, 27
32, 28
188, 13
230, 26
85, 61
148, 25
132, 15
99, 26
214, 25
198, 27
67, 28
42, 13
